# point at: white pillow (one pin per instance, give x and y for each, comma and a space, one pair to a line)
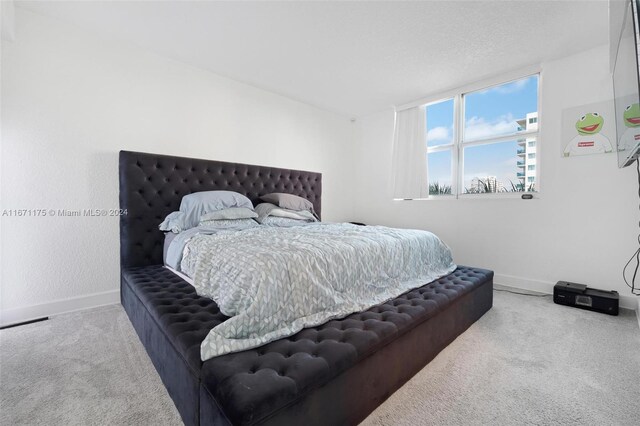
267, 209
300, 215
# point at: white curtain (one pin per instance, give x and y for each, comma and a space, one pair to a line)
410, 154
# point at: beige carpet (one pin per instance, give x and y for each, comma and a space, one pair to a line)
527, 361
86, 368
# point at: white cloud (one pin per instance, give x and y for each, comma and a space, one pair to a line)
506, 89
478, 128
514, 87
439, 134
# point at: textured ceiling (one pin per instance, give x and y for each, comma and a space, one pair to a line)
353, 58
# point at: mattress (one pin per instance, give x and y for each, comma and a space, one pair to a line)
288, 380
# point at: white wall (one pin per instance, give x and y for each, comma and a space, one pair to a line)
71, 101
584, 226
617, 10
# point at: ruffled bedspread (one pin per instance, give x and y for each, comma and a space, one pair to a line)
273, 282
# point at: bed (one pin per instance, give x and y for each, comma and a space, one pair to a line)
334, 373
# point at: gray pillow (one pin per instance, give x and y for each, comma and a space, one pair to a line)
200, 203
174, 222
288, 201
230, 214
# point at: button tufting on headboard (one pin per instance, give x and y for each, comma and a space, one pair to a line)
152, 186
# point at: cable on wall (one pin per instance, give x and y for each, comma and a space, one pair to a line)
522, 294
636, 256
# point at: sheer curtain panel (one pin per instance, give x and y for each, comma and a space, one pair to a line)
409, 167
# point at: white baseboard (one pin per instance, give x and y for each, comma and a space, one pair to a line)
546, 287
57, 307
62, 306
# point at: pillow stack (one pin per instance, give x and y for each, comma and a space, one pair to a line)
285, 209
233, 217
214, 208
228, 209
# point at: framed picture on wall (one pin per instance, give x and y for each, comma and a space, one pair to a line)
588, 129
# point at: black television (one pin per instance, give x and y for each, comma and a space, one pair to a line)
626, 87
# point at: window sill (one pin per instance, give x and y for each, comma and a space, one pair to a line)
500, 196
493, 196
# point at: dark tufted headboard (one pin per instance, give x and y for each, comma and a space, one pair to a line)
152, 186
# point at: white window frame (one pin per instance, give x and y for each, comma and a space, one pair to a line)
457, 146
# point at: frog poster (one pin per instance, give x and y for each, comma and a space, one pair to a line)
628, 115
588, 129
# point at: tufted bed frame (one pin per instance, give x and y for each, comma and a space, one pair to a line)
333, 374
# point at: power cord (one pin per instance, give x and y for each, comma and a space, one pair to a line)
636, 255
523, 294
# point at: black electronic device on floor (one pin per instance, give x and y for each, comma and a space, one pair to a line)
583, 297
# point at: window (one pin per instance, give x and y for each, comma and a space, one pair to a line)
483, 141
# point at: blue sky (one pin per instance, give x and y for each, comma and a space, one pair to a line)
489, 112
